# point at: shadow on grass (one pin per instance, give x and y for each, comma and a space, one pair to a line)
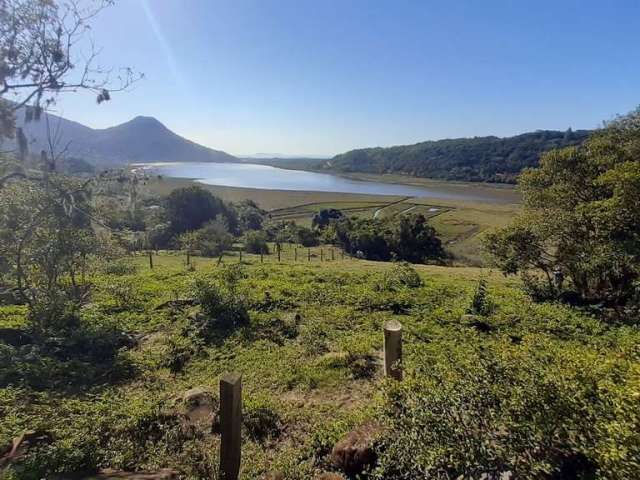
73, 359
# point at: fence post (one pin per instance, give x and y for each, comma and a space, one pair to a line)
332, 255
308, 254
150, 259
393, 349
295, 254
321, 255
230, 425
278, 252
342, 254
261, 256
240, 261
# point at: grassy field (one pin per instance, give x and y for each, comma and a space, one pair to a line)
460, 224
307, 382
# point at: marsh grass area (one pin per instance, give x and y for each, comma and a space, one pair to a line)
308, 380
460, 224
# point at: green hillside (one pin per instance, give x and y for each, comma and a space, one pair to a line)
478, 159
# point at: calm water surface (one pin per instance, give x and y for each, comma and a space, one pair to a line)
249, 175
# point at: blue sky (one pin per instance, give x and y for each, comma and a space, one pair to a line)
325, 76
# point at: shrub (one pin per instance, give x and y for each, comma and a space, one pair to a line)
256, 242
222, 307
481, 304
401, 275
120, 267
537, 410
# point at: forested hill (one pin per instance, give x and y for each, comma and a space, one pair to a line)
478, 159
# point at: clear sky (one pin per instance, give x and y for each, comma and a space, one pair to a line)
325, 76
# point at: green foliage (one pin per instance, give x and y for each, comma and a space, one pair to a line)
250, 216
537, 409
324, 217
481, 303
581, 217
46, 240
401, 275
256, 242
189, 208
407, 237
484, 159
222, 307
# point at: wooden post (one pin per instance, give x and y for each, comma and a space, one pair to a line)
295, 254
342, 254
150, 259
230, 425
220, 259
240, 261
188, 258
332, 255
261, 256
393, 349
278, 254
321, 255
308, 254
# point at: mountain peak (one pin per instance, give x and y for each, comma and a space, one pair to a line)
147, 121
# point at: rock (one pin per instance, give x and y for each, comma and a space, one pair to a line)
14, 337
355, 453
199, 408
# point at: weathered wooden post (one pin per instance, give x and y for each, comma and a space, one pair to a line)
393, 349
220, 259
230, 425
150, 259
295, 254
308, 254
240, 261
261, 256
332, 255
188, 257
321, 255
342, 254
278, 248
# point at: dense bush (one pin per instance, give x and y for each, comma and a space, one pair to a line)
223, 308
407, 238
189, 208
580, 218
213, 239
538, 410
256, 242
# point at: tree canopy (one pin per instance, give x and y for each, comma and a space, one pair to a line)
581, 216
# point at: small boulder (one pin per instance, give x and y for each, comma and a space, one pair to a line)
199, 408
356, 452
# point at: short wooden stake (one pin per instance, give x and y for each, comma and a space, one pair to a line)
321, 255
230, 425
393, 349
261, 256
240, 261
295, 254
150, 260
332, 255
188, 257
309, 254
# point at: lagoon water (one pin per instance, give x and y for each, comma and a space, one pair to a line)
250, 175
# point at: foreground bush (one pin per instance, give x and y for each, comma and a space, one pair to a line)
537, 410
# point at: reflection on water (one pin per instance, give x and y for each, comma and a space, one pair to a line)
249, 175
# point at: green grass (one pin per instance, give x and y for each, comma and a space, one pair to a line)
303, 374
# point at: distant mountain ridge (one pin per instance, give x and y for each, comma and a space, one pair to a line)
485, 159
140, 140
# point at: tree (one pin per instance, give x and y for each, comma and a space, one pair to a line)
213, 239
44, 53
325, 216
189, 208
45, 240
256, 242
581, 217
250, 216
